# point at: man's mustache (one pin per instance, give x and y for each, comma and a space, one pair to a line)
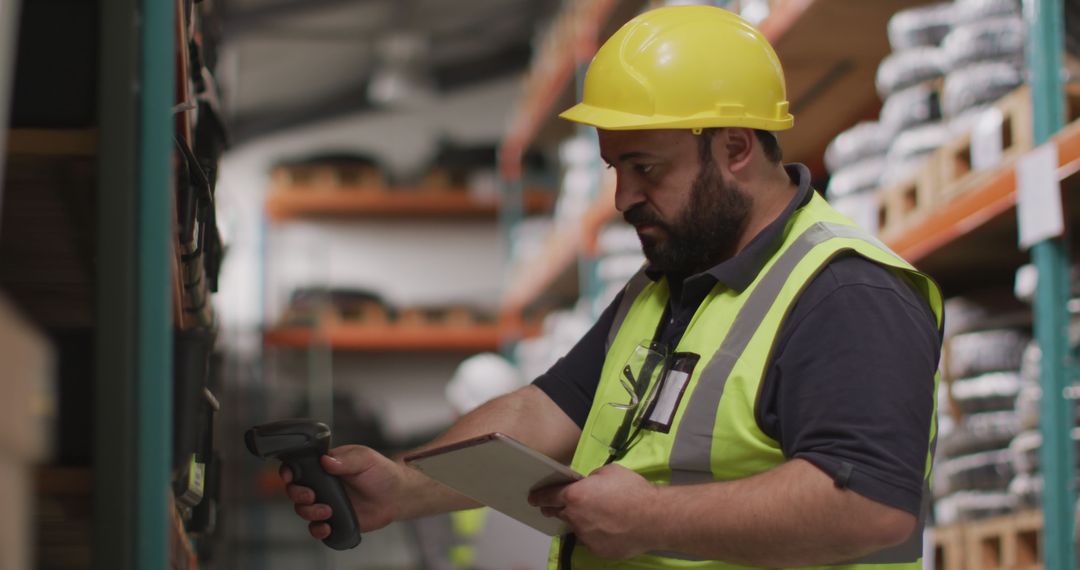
642, 215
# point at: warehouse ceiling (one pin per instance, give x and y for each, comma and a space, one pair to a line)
285, 63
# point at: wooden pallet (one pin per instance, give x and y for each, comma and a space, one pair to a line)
1012, 542
328, 178
949, 548
954, 159
907, 202
949, 174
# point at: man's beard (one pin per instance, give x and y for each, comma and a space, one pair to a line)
705, 232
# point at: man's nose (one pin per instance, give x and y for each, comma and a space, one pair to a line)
627, 194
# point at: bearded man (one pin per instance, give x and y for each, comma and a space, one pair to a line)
762, 392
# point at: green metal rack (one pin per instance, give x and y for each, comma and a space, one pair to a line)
133, 402
1051, 257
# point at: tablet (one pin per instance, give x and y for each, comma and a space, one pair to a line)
498, 471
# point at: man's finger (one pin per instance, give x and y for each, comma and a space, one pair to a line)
548, 497
300, 495
317, 512
285, 473
551, 511
349, 460
319, 530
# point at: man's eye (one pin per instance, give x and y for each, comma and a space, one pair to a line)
643, 168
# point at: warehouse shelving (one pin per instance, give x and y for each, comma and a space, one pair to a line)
558, 257
55, 142
573, 39
972, 240
368, 337
286, 204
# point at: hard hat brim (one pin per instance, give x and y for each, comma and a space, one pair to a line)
611, 120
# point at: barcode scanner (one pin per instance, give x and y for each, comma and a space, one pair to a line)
299, 443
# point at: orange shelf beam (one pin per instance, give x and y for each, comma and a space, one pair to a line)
560, 253
572, 41
978, 206
355, 337
401, 202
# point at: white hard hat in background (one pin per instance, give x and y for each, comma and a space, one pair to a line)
480, 378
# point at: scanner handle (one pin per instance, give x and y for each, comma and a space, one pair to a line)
308, 472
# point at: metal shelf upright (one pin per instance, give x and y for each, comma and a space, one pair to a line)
133, 407
1051, 257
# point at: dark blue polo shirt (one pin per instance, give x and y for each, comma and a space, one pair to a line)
850, 383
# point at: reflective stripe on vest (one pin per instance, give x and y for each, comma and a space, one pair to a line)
691, 456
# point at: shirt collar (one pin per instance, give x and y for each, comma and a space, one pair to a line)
739, 271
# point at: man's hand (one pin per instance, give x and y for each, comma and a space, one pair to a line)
371, 480
609, 510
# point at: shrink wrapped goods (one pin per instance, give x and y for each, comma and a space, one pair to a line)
921, 26
865, 140
902, 69
998, 39
910, 149
978, 84
910, 107
861, 176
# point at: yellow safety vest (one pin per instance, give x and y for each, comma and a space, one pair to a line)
713, 434
466, 526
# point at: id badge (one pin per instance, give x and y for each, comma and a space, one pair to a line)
669, 392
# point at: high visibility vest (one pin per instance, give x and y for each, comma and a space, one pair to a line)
466, 525
713, 434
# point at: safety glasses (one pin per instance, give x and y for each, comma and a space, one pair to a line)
645, 365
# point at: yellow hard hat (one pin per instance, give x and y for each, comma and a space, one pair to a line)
684, 67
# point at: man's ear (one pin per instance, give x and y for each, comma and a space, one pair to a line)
734, 148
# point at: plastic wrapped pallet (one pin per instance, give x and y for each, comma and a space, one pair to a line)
1024, 452
921, 26
991, 392
861, 208
980, 432
998, 39
972, 505
910, 107
967, 11
1030, 394
863, 142
855, 178
982, 471
910, 149
978, 84
903, 69
975, 353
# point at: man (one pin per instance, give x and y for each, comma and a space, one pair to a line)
791, 420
